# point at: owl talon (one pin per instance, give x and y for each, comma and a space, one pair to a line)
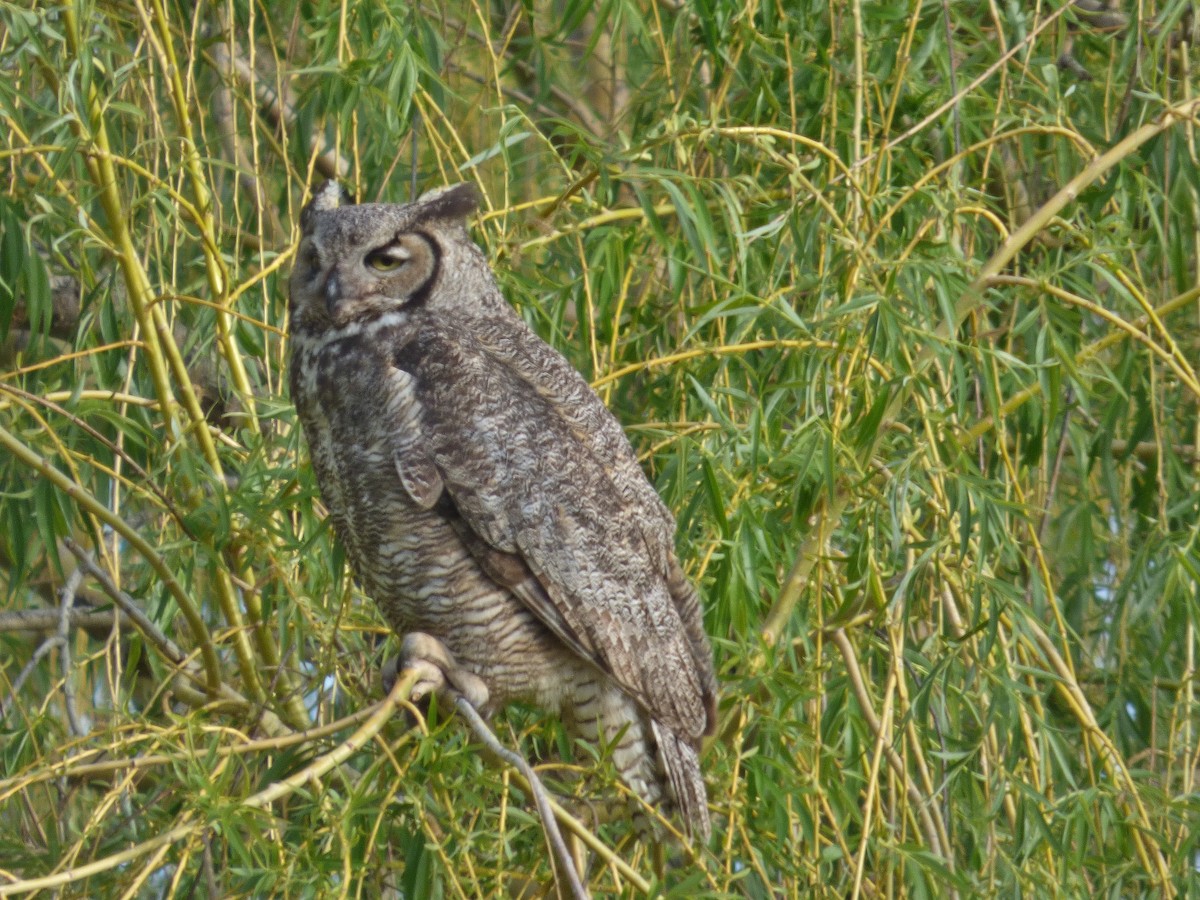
387, 674
436, 669
430, 680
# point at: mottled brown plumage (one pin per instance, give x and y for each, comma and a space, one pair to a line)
486, 497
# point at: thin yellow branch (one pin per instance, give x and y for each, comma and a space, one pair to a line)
83, 498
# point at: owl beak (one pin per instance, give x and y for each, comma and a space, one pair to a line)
333, 293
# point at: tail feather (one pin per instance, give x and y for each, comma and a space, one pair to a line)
681, 763
602, 713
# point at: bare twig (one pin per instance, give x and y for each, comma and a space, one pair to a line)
183, 663
47, 619
128, 606
549, 825
19, 682
278, 110
60, 641
66, 602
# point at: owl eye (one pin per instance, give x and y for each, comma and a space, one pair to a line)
387, 259
312, 259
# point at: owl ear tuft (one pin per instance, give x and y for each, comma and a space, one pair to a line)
330, 195
455, 202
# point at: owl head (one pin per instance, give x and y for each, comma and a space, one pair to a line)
357, 262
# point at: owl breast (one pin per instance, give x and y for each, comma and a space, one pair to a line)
359, 414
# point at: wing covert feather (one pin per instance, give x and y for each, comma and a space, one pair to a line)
543, 490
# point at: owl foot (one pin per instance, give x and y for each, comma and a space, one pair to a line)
436, 669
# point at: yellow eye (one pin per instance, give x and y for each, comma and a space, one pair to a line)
386, 259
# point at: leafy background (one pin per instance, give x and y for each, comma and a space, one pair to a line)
898, 303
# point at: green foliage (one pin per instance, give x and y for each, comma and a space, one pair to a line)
898, 304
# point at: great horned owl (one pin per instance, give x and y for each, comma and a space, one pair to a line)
489, 502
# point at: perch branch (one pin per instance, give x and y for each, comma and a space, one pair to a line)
540, 797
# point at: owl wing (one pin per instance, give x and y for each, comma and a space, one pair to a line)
545, 514
509, 340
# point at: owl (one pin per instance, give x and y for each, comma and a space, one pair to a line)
488, 501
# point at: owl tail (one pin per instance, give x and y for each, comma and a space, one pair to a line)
681, 763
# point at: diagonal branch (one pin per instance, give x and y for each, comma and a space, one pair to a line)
540, 797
